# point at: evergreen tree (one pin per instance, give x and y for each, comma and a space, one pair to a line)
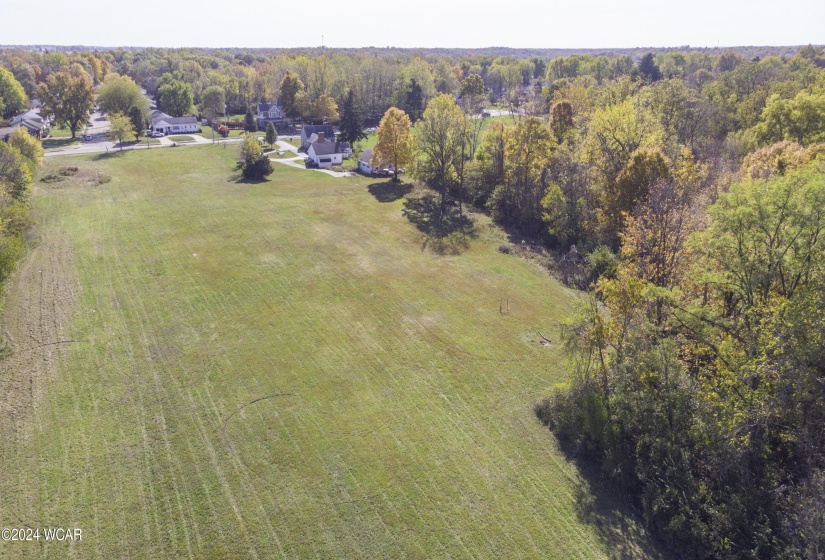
352, 121
648, 69
138, 119
415, 100
271, 135
249, 121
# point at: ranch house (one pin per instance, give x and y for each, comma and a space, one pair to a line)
163, 123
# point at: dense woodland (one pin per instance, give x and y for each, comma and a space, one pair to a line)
685, 191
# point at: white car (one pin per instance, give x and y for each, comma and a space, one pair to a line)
157, 135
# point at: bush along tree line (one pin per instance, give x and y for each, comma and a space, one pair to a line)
20, 157
682, 190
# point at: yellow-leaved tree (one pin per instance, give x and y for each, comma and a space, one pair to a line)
395, 144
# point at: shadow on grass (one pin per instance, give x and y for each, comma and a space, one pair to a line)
57, 143
616, 521
447, 232
389, 191
239, 179
113, 153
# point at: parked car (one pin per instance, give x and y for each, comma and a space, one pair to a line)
157, 135
88, 137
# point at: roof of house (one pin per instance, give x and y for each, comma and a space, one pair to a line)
29, 124
311, 129
159, 116
28, 116
327, 147
181, 120
366, 156
266, 107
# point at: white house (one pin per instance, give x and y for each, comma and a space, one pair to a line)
309, 130
326, 153
270, 113
365, 165
163, 123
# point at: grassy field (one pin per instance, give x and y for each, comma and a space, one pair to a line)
206, 368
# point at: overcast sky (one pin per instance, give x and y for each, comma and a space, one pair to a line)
416, 23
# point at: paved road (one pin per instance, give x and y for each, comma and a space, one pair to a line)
100, 144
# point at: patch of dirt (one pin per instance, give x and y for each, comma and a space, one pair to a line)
40, 297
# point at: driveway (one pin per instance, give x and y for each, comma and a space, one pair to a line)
298, 161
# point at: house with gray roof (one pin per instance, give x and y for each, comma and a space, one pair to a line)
365, 165
326, 153
163, 123
31, 121
309, 130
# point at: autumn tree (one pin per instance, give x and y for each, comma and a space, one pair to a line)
13, 99
487, 170
395, 144
69, 96
15, 173
561, 118
472, 98
28, 146
632, 185
325, 109
254, 163
615, 132
442, 141
121, 129
528, 149
292, 90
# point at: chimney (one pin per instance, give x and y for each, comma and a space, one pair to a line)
321, 138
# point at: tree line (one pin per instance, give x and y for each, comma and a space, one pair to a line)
683, 190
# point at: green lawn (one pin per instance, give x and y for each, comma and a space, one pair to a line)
206, 368
181, 138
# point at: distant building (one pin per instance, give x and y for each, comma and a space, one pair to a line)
270, 113
163, 123
326, 153
309, 130
365, 165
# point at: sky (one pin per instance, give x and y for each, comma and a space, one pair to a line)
417, 23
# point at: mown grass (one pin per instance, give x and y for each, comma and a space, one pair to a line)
181, 138
289, 369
